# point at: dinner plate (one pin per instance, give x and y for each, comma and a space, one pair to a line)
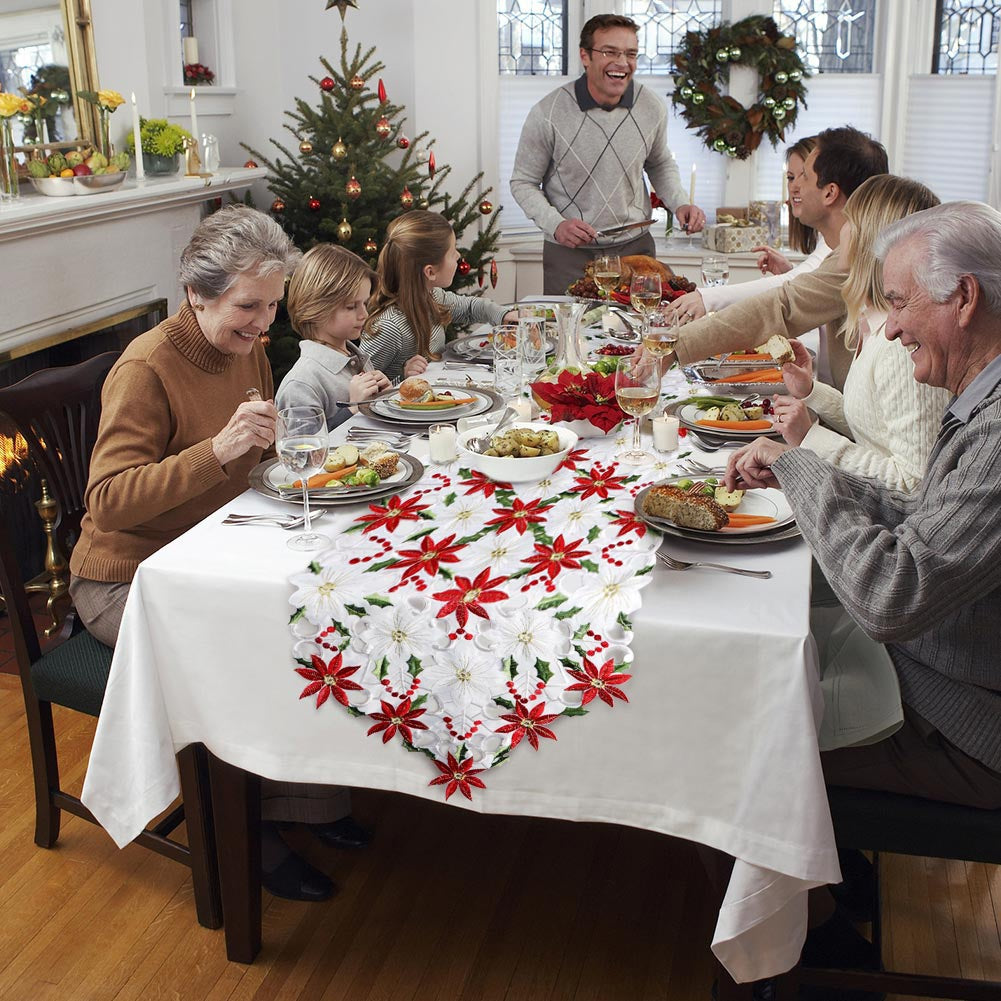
688, 415
385, 408
707, 373
769, 503
266, 477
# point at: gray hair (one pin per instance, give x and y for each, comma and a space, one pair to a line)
960, 238
231, 242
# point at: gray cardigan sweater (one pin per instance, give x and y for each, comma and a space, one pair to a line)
921, 572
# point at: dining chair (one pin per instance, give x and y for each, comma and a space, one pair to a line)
905, 825
57, 412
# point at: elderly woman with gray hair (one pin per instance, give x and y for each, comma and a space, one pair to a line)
186, 414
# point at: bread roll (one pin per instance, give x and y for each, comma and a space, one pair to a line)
779, 348
415, 390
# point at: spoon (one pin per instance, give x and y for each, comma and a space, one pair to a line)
482, 442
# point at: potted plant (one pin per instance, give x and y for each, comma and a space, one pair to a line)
161, 142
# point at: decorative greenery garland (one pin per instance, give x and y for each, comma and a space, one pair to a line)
725, 124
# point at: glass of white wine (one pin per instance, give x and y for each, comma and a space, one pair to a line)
715, 270
301, 443
661, 336
607, 272
637, 389
644, 295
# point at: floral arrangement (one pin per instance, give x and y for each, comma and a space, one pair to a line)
725, 124
158, 137
109, 100
197, 73
582, 396
13, 104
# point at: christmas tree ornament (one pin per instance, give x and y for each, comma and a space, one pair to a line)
357, 83
431, 167
795, 76
735, 53
480, 277
403, 142
277, 205
353, 187
305, 146
250, 163
338, 151
342, 5
406, 198
686, 92
423, 204
382, 127
382, 92
486, 207
371, 246
493, 274
463, 267
769, 102
327, 84
719, 145
781, 77
779, 112
722, 55
421, 155
314, 204
698, 97
789, 103
344, 231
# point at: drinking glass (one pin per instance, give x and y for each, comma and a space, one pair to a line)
507, 365
531, 348
607, 273
715, 270
644, 295
661, 336
301, 443
637, 388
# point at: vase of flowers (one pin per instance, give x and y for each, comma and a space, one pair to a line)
107, 101
161, 141
197, 73
10, 105
584, 401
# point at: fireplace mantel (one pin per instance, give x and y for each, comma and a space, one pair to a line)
66, 262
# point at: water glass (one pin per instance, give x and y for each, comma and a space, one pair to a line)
301, 443
531, 348
507, 364
715, 270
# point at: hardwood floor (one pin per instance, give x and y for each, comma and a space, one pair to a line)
566, 912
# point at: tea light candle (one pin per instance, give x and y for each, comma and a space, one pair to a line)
522, 407
665, 433
441, 442
140, 169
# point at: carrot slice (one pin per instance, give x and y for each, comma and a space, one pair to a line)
748, 356
437, 404
737, 425
762, 375
322, 479
746, 520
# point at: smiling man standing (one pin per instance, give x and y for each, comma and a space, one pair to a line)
583, 151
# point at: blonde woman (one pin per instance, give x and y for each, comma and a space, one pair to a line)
327, 299
884, 424
411, 306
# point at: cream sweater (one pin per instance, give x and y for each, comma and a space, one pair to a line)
892, 418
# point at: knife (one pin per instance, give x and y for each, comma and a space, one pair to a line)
622, 229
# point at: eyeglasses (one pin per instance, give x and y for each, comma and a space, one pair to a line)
631, 55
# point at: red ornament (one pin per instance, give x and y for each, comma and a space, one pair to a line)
353, 187
314, 204
403, 142
382, 91
327, 84
357, 83
493, 274
382, 127
371, 246
463, 267
431, 165
486, 207
406, 198
277, 205
480, 277
250, 163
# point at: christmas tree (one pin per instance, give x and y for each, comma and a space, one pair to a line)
355, 170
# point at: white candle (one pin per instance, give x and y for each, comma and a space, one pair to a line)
691, 188
190, 51
522, 407
785, 189
140, 169
665, 433
194, 120
441, 442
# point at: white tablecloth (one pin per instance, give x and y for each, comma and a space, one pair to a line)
717, 744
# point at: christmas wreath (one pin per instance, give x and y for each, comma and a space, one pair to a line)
724, 123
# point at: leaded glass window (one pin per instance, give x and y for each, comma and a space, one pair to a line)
187, 25
532, 37
834, 36
967, 37
663, 26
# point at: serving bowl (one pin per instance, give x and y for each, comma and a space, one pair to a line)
59, 187
504, 468
83, 184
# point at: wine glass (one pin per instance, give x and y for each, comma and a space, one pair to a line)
715, 270
637, 389
661, 336
531, 348
607, 272
644, 294
301, 443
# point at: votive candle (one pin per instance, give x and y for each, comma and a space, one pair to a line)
665, 433
441, 442
140, 169
522, 407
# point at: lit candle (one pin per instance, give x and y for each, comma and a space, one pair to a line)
691, 188
785, 182
522, 407
190, 51
194, 120
665, 433
441, 442
140, 169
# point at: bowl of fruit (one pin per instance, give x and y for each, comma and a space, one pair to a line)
78, 172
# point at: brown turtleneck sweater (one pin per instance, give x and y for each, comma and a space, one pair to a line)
153, 474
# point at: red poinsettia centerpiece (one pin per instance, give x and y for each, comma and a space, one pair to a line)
582, 396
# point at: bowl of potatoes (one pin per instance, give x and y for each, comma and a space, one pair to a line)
525, 452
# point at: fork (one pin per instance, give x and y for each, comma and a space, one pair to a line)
289, 521
673, 564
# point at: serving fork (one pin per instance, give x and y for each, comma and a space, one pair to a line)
672, 564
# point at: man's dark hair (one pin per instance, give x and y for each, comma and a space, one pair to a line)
600, 21
847, 157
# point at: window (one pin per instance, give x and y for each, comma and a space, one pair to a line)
967, 37
835, 36
663, 26
532, 37
187, 25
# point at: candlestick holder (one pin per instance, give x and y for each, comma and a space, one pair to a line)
193, 162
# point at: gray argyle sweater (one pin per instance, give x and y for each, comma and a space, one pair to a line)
921, 572
577, 160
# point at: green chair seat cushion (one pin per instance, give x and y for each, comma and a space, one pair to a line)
74, 674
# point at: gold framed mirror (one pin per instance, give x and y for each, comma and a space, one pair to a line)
47, 47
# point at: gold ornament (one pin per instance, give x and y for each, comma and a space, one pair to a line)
382, 127
423, 203
338, 151
305, 146
357, 83
371, 246
486, 207
278, 205
406, 198
353, 187
344, 231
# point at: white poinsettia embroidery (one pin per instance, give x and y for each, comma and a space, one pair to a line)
527, 635
602, 596
324, 595
500, 551
463, 680
464, 516
573, 517
396, 633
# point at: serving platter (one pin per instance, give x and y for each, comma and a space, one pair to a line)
708, 374
386, 408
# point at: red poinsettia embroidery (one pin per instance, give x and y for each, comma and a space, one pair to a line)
570, 462
603, 682
467, 596
559, 556
628, 522
522, 723
390, 515
598, 480
478, 483
328, 679
518, 516
401, 718
428, 558
457, 776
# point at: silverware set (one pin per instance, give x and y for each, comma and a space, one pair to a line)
672, 564
289, 522
395, 439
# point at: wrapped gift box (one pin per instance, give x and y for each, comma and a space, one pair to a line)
734, 239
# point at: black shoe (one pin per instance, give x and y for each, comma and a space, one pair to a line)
343, 833
857, 891
837, 944
296, 879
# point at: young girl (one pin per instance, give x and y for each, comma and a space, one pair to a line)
326, 304
410, 307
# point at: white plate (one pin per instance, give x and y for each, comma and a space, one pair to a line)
386, 407
689, 415
277, 478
